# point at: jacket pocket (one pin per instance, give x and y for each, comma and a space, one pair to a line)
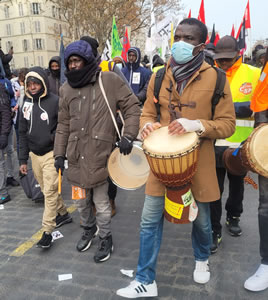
72, 149
104, 145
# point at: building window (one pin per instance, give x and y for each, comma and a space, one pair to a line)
25, 45
6, 11
60, 27
20, 9
37, 26
8, 29
40, 61
26, 62
39, 44
56, 28
57, 45
22, 28
36, 8
53, 11
9, 44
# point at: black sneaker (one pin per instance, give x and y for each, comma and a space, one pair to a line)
105, 249
216, 240
64, 219
85, 242
11, 181
232, 223
45, 242
4, 199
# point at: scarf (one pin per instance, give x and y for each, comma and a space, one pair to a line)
182, 73
82, 77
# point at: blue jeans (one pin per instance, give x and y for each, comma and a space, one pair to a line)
152, 220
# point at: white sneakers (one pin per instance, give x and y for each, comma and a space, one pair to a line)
258, 281
201, 272
138, 290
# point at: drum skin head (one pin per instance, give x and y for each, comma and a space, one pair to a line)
159, 142
128, 172
258, 150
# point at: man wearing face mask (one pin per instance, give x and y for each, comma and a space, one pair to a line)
54, 75
243, 79
188, 80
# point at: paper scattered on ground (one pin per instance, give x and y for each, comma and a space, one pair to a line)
65, 277
128, 273
2, 206
56, 235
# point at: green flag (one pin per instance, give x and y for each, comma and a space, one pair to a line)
116, 44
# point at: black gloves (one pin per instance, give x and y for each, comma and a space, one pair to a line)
59, 164
3, 141
125, 145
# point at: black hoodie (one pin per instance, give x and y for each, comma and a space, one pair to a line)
38, 119
54, 79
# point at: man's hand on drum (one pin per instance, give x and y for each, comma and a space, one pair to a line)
183, 125
149, 128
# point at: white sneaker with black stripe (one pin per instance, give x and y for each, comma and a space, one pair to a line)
138, 290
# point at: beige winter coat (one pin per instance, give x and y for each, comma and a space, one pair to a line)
199, 89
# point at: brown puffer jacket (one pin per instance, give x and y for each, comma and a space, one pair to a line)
85, 131
199, 89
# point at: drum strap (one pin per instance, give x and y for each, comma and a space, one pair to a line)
107, 102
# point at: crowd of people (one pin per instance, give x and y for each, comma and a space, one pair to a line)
76, 121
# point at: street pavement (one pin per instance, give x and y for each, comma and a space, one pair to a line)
34, 274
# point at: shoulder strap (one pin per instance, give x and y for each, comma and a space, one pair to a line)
157, 87
219, 88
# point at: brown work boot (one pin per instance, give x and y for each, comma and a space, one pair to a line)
113, 207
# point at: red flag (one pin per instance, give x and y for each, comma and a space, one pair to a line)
241, 39
201, 15
247, 17
190, 14
217, 37
239, 29
233, 31
126, 46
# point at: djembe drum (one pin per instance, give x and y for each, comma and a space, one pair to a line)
252, 156
173, 161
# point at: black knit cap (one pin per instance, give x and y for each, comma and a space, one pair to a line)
93, 43
34, 79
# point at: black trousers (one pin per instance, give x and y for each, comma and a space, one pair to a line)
234, 202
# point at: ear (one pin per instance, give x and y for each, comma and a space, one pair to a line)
198, 49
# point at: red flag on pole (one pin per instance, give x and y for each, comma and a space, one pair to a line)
217, 37
126, 46
233, 31
190, 14
247, 17
201, 15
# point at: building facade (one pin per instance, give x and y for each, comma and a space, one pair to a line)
33, 29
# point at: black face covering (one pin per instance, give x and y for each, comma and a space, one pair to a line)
55, 73
37, 95
82, 77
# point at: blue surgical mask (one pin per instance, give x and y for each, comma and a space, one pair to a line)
182, 52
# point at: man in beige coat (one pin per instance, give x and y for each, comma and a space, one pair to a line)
187, 78
86, 134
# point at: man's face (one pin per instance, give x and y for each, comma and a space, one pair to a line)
226, 63
132, 57
262, 59
76, 63
54, 66
189, 34
33, 87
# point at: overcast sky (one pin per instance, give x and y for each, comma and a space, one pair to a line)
224, 13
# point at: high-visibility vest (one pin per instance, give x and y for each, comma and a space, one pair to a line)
107, 66
242, 87
259, 101
155, 69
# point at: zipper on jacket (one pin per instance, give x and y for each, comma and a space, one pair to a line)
93, 98
130, 76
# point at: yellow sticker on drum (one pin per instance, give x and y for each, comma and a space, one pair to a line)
187, 198
174, 209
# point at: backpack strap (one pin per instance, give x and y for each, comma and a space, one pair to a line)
219, 89
157, 87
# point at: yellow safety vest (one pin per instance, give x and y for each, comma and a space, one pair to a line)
242, 87
105, 66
